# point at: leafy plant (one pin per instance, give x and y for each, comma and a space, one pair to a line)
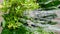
49, 4
15, 21
15, 9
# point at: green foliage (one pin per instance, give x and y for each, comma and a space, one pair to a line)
19, 5
49, 4
26, 30
14, 18
14, 10
21, 30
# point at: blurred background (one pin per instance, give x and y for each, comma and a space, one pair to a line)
56, 19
